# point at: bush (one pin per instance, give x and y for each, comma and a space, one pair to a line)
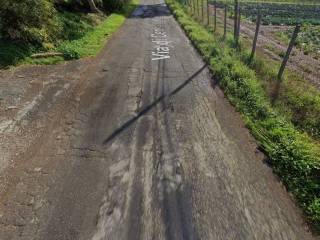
27, 20
76, 5
113, 5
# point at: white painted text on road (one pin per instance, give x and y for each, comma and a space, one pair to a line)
162, 45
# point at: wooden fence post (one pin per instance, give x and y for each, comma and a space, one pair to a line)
202, 11
254, 45
286, 57
215, 16
208, 13
238, 23
236, 6
194, 6
225, 21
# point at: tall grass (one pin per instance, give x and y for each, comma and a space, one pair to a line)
93, 41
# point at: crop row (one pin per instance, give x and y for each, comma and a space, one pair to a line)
277, 13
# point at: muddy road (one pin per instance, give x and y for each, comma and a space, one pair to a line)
137, 143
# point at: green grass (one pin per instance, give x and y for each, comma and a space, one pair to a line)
298, 101
12, 53
92, 42
68, 26
294, 156
78, 35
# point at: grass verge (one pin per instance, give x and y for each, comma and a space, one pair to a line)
93, 42
294, 156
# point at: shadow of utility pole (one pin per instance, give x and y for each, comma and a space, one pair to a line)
152, 105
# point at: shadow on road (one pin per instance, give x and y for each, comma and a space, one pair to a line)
151, 11
152, 105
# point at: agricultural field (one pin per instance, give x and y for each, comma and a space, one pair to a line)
282, 14
279, 13
289, 14
279, 19
286, 1
276, 1
308, 40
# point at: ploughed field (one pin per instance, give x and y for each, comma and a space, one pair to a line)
282, 13
279, 19
278, 13
308, 40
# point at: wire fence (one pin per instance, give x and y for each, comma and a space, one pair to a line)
286, 33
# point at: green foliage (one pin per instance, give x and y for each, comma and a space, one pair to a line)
77, 5
11, 53
27, 20
297, 100
72, 25
280, 12
68, 26
308, 39
93, 41
76, 35
113, 5
294, 156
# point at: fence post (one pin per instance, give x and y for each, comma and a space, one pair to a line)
215, 16
235, 31
254, 45
202, 11
238, 23
225, 21
286, 57
208, 13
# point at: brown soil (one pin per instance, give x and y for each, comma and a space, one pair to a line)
305, 65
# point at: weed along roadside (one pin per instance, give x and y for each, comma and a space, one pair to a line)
293, 154
74, 34
92, 43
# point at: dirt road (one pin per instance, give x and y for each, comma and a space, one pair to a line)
137, 143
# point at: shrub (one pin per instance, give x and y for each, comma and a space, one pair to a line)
113, 5
27, 20
77, 5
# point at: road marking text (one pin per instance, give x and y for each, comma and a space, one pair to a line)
162, 45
